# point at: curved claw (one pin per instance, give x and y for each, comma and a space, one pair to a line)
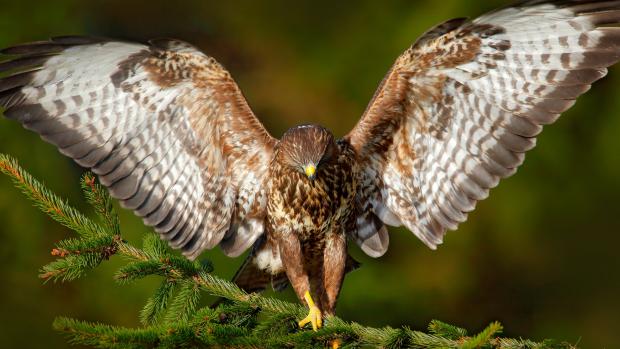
314, 315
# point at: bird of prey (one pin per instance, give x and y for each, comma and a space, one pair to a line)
167, 130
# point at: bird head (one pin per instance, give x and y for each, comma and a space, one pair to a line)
306, 149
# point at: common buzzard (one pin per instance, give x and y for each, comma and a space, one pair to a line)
167, 130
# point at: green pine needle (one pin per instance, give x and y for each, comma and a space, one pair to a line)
154, 247
185, 302
442, 329
158, 303
98, 197
483, 337
70, 268
138, 270
48, 202
172, 317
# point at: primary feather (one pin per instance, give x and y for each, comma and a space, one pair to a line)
164, 127
459, 109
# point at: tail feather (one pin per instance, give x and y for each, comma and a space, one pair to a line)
252, 279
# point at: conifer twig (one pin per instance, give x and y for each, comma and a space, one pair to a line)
46, 201
173, 318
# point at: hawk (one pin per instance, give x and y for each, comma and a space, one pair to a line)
167, 130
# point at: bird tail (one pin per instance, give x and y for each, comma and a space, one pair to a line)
252, 279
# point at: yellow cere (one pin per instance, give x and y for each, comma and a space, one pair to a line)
310, 170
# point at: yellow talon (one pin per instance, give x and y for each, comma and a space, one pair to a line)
335, 344
314, 315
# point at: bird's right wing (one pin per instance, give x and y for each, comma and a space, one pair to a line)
164, 126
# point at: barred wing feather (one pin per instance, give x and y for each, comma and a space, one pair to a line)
459, 109
163, 125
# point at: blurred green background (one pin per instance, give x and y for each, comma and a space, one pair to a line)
540, 255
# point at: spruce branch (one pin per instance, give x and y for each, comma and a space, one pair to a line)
185, 303
483, 337
172, 317
97, 196
158, 303
442, 329
48, 202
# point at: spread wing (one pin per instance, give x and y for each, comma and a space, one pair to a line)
164, 126
459, 109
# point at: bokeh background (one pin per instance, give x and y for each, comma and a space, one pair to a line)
540, 255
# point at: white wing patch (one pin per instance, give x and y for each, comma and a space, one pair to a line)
459, 109
162, 126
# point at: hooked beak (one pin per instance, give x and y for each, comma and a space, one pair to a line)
310, 170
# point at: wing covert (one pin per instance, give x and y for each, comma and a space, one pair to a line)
459, 109
164, 127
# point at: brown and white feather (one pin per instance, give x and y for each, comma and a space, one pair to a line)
459, 109
164, 126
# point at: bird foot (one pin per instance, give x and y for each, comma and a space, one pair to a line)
314, 315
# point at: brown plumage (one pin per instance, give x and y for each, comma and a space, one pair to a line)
308, 219
167, 130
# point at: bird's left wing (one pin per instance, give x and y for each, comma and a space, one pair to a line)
164, 126
459, 109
